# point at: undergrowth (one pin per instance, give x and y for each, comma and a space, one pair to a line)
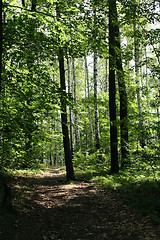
138, 185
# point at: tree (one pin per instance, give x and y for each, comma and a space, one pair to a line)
88, 105
95, 77
72, 142
137, 76
30, 93
1, 37
5, 198
76, 130
66, 142
122, 94
112, 87
97, 133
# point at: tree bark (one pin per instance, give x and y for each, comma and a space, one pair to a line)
77, 135
123, 97
112, 89
97, 132
106, 76
88, 105
70, 110
34, 4
23, 3
137, 75
66, 142
1, 48
5, 197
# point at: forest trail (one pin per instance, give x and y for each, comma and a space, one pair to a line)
49, 208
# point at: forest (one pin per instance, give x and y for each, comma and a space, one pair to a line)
80, 89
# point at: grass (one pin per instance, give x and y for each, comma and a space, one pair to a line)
139, 186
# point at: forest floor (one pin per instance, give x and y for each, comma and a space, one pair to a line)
50, 208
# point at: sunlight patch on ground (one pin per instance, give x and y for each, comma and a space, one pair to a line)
73, 186
70, 186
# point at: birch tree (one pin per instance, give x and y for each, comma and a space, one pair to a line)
95, 77
88, 105
72, 142
137, 77
76, 128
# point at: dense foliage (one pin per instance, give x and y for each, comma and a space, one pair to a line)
31, 94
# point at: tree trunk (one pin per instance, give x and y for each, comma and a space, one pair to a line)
95, 77
5, 198
88, 105
137, 75
23, 3
112, 88
158, 114
66, 142
106, 76
34, 4
70, 111
97, 133
77, 135
123, 97
1, 48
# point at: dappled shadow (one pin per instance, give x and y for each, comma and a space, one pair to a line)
143, 196
140, 192
56, 209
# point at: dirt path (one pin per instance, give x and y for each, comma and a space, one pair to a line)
52, 209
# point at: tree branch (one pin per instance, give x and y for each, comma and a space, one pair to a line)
29, 10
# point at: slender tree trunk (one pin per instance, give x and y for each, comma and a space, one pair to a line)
88, 105
1, 98
1, 108
56, 154
23, 3
137, 75
50, 156
112, 89
158, 113
66, 142
55, 157
106, 76
77, 135
97, 133
95, 77
34, 4
1, 39
123, 98
70, 111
